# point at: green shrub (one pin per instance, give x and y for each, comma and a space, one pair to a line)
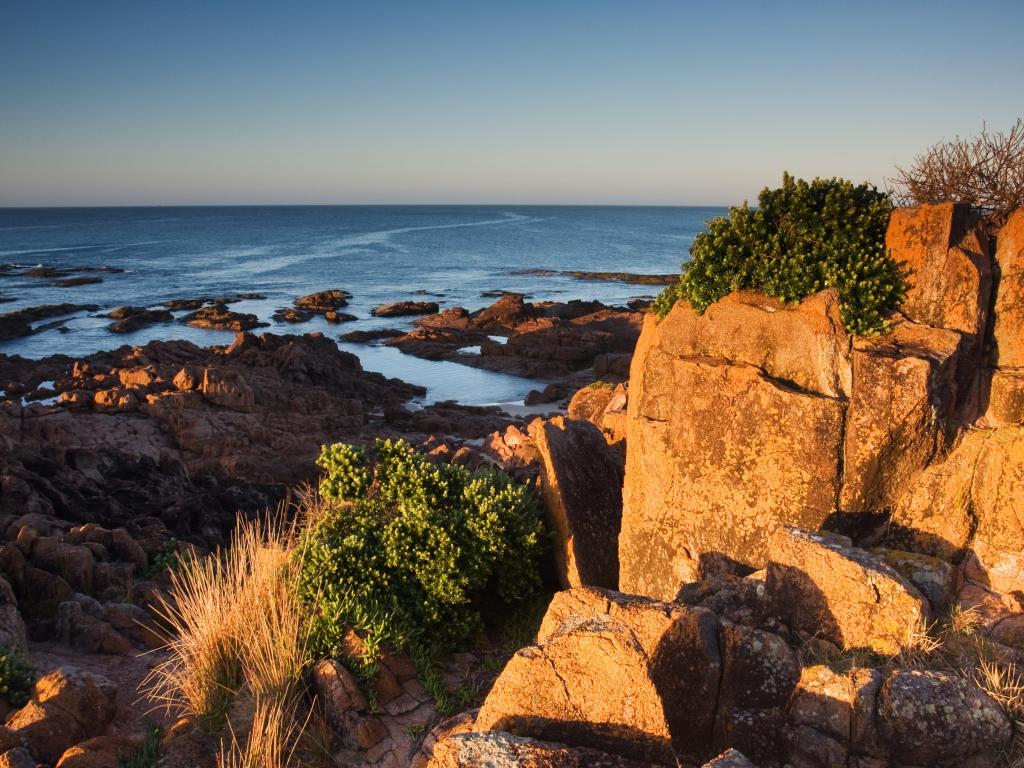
17, 676
405, 549
801, 238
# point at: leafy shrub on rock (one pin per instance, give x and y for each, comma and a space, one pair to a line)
402, 550
17, 676
800, 239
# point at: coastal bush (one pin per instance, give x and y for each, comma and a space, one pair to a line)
986, 171
17, 676
800, 239
402, 551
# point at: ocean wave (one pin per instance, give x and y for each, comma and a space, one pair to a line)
382, 236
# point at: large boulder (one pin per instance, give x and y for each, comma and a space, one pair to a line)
582, 486
939, 719
971, 503
604, 406
68, 706
759, 674
503, 750
821, 584
904, 389
720, 453
617, 673
946, 252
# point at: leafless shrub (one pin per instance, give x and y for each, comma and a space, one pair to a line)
986, 171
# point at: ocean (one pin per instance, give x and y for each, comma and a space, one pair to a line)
448, 254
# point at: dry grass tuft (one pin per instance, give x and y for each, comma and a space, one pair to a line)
237, 646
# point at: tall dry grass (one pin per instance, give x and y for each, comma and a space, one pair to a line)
237, 646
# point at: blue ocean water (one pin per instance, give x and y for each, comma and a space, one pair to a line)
450, 254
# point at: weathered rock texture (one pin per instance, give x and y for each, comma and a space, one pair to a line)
581, 482
665, 684
756, 415
821, 584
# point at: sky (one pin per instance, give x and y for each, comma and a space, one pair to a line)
152, 102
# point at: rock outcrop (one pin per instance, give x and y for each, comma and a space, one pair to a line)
756, 415
581, 478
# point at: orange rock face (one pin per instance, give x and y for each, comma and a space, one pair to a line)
821, 584
950, 267
904, 385
582, 485
972, 503
720, 454
621, 674
1009, 305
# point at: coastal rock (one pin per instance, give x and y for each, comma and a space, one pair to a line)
128, 319
981, 511
613, 672
68, 706
219, 317
731, 758
717, 471
759, 674
324, 301
604, 406
939, 719
582, 488
903, 394
950, 274
338, 693
292, 315
804, 345
821, 584
98, 752
1008, 327
402, 308
503, 750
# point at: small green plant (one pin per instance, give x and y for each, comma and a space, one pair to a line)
800, 239
601, 384
17, 676
402, 551
146, 754
166, 558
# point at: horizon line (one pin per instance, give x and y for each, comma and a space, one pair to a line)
75, 206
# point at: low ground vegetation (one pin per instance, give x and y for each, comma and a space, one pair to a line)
399, 551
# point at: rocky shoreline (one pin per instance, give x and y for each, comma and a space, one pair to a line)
774, 544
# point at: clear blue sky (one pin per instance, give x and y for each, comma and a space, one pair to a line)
146, 102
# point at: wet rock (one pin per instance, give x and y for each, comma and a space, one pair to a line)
364, 337
72, 282
324, 301
402, 308
292, 315
219, 317
939, 719
821, 584
339, 317
67, 707
44, 311
582, 489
